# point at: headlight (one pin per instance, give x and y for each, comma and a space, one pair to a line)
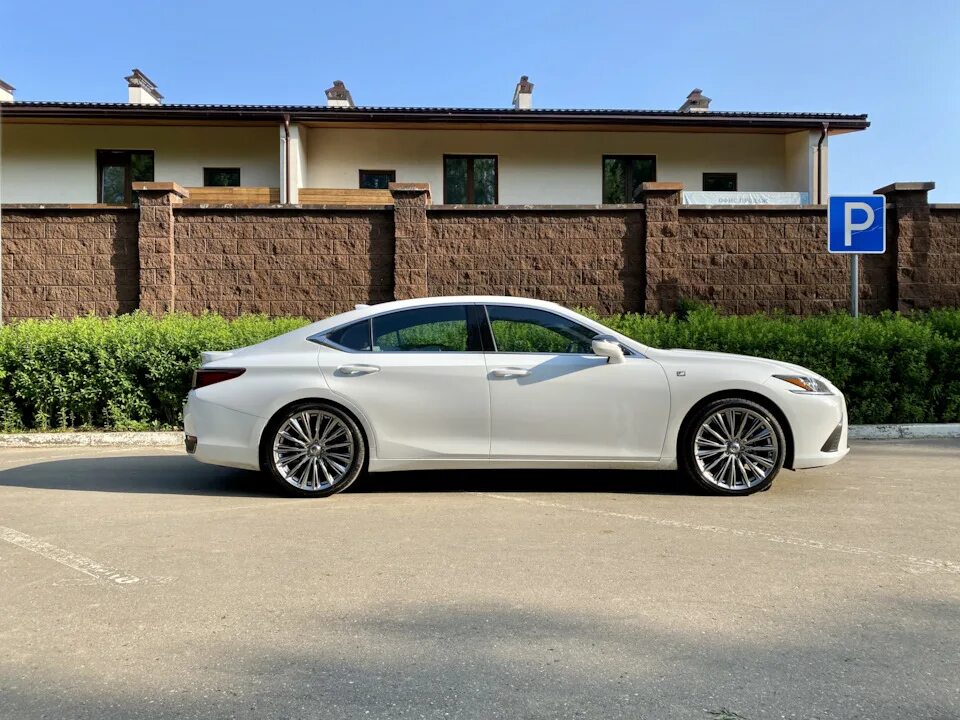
805, 385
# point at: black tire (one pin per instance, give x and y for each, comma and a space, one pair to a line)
273, 466
739, 470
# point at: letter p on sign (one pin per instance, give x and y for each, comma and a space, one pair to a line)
857, 224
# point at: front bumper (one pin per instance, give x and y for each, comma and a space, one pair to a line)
819, 431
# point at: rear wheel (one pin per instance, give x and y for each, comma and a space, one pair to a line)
313, 450
733, 447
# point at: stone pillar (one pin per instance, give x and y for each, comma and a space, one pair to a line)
908, 239
157, 274
411, 233
661, 203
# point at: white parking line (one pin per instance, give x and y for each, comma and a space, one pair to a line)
917, 564
80, 563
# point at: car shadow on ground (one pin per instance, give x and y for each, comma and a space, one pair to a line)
181, 475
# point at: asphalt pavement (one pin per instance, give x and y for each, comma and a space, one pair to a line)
139, 584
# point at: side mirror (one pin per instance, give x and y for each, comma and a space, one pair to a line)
607, 346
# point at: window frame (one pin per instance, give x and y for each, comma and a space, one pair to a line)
628, 352
475, 332
715, 175
223, 169
628, 177
471, 195
127, 171
392, 174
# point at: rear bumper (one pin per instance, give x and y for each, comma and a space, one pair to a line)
221, 436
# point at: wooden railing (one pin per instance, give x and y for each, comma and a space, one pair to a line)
233, 196
271, 196
344, 196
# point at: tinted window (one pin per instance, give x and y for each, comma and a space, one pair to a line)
527, 330
353, 337
470, 179
377, 179
221, 177
117, 169
724, 182
429, 329
624, 175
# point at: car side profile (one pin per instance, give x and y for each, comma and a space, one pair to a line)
502, 382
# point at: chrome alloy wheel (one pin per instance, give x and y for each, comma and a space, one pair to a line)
313, 450
736, 448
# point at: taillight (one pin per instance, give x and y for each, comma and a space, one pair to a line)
202, 378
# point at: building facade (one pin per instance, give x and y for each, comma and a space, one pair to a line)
87, 153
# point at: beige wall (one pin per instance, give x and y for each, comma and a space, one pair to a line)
550, 167
58, 164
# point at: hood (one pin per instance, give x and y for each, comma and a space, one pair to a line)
775, 366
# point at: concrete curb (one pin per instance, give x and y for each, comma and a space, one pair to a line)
175, 439
92, 439
913, 431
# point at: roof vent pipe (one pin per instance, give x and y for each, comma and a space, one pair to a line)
523, 94
6, 92
696, 102
141, 90
339, 96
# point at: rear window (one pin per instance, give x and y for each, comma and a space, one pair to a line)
352, 337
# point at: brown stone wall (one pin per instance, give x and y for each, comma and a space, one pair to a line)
747, 260
282, 261
751, 260
64, 261
317, 260
944, 255
590, 257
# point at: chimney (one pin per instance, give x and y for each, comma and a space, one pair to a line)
696, 102
339, 96
141, 90
6, 92
523, 94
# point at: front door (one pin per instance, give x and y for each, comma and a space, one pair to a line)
419, 377
552, 398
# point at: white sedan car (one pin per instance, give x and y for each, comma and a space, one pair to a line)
500, 382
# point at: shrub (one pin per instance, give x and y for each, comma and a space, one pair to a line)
132, 372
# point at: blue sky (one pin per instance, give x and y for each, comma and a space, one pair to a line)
899, 62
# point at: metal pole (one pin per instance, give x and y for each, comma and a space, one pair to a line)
855, 285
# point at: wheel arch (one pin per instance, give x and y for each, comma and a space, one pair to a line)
756, 397
355, 416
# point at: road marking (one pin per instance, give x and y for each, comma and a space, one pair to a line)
919, 563
80, 563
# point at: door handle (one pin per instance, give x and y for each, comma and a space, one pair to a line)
358, 369
509, 372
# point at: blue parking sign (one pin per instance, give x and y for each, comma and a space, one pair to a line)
856, 224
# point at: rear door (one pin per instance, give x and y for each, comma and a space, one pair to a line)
552, 398
419, 377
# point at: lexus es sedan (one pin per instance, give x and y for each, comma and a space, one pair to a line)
502, 382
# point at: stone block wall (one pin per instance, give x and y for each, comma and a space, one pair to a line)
590, 257
64, 261
281, 261
944, 256
317, 260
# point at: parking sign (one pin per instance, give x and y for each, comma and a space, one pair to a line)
857, 224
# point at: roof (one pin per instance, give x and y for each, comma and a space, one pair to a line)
323, 113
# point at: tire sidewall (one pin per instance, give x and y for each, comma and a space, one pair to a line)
688, 459
269, 434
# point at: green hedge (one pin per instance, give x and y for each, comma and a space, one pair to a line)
132, 372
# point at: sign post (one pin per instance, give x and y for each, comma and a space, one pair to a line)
856, 225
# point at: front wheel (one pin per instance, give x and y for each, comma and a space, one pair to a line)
733, 447
313, 450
